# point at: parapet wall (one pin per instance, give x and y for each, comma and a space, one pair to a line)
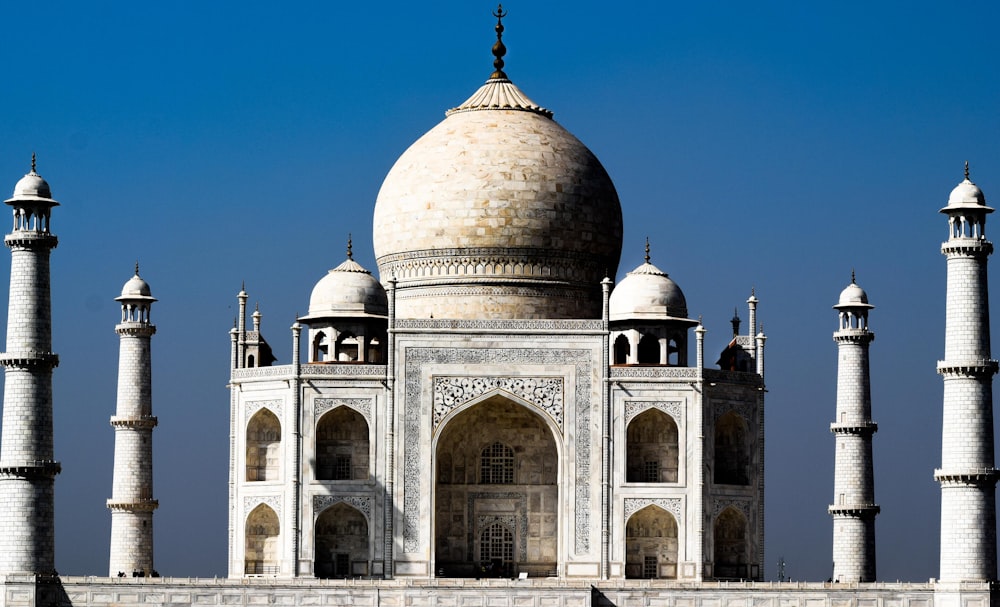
26, 591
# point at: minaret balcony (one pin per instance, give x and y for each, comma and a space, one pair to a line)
135, 329
138, 505
866, 427
855, 510
29, 360
966, 246
854, 335
967, 475
33, 469
968, 368
142, 422
30, 239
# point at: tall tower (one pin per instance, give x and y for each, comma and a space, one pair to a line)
132, 502
853, 508
27, 468
967, 476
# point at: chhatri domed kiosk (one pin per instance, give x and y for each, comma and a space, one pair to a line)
491, 406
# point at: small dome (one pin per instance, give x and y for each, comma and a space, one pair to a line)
136, 288
965, 194
853, 297
32, 188
647, 292
348, 290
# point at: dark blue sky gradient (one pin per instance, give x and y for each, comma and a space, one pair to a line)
768, 144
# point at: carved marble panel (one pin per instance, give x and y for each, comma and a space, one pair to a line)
361, 405
252, 501
673, 505
414, 462
546, 393
362, 503
740, 503
276, 406
672, 408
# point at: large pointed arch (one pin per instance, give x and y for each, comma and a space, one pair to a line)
343, 446
343, 542
730, 545
652, 452
651, 544
732, 450
263, 447
261, 545
496, 472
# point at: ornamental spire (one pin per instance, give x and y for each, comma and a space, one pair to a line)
647, 249
966, 169
499, 50
350, 246
34, 158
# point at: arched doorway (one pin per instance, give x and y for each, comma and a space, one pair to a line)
732, 450
341, 542
651, 544
651, 452
342, 446
729, 535
261, 542
496, 496
263, 447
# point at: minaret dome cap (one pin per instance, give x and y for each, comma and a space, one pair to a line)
853, 297
136, 289
349, 290
967, 195
32, 188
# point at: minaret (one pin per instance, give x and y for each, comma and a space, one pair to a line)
27, 468
853, 508
967, 476
132, 502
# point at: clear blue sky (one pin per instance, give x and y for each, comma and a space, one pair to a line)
768, 144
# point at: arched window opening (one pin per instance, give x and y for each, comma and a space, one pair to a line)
342, 446
349, 348
673, 353
251, 361
651, 544
496, 548
649, 350
732, 450
651, 451
375, 351
513, 449
261, 542
730, 538
341, 543
497, 465
622, 349
263, 447
321, 348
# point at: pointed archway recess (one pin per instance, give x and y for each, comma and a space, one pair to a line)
497, 471
342, 542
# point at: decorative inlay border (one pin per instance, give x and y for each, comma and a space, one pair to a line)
500, 324
518, 520
546, 393
362, 503
413, 465
275, 405
644, 372
252, 501
312, 370
258, 372
670, 407
743, 409
361, 405
673, 505
740, 503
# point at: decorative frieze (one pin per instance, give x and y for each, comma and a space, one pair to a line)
275, 405
688, 373
252, 501
361, 503
673, 505
499, 325
361, 405
546, 393
743, 409
672, 408
740, 503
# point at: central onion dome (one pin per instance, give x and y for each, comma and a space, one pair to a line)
497, 212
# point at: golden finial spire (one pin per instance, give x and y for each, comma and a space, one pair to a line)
136, 267
852, 277
647, 249
499, 50
967, 170
350, 246
34, 158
